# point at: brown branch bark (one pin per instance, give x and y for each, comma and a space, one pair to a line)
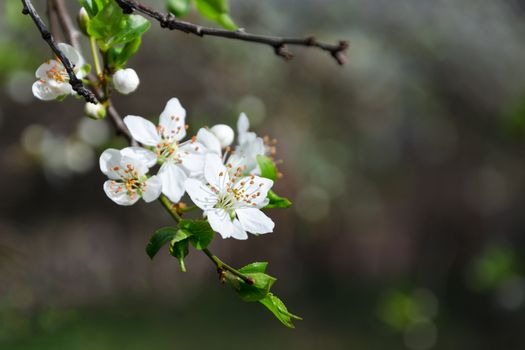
279, 44
69, 29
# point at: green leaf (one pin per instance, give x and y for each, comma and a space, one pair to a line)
179, 7
159, 238
277, 307
276, 201
118, 56
93, 6
202, 234
217, 11
254, 267
268, 168
179, 249
112, 27
251, 292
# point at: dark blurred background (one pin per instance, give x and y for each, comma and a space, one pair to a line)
406, 168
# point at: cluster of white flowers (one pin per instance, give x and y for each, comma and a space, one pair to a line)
224, 183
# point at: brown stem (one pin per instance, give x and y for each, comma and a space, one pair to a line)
167, 20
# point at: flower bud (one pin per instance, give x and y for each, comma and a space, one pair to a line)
83, 20
224, 133
95, 111
126, 80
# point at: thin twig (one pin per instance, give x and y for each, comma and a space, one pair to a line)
75, 83
72, 34
167, 20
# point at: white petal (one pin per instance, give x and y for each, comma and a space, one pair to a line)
221, 222
243, 124
44, 92
238, 230
142, 130
72, 54
200, 194
215, 172
255, 221
152, 189
192, 157
109, 161
172, 178
118, 194
173, 119
143, 155
210, 141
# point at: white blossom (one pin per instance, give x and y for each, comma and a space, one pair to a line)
231, 202
179, 160
126, 81
126, 170
53, 80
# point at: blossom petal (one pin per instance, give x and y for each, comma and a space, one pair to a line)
238, 230
72, 54
44, 92
215, 172
109, 162
221, 222
209, 140
152, 189
118, 194
143, 155
172, 178
243, 125
173, 119
200, 194
254, 220
142, 130
192, 157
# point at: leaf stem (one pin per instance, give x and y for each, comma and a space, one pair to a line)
168, 205
221, 265
96, 62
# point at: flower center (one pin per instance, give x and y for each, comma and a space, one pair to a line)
167, 150
57, 73
237, 192
130, 181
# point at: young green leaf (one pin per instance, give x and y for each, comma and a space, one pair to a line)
254, 267
268, 168
217, 11
159, 238
179, 248
93, 6
251, 292
277, 307
202, 234
118, 56
276, 201
112, 27
179, 7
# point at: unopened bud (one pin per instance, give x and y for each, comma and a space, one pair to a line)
126, 81
224, 133
83, 20
95, 111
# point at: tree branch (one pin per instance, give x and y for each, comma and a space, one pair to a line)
167, 20
76, 83
72, 34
